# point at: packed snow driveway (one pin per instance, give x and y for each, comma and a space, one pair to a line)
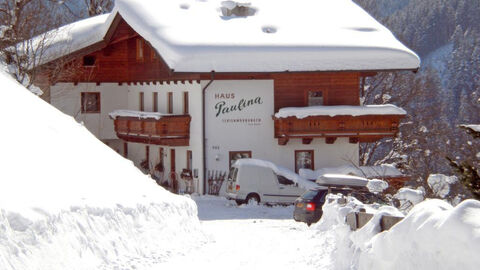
254, 237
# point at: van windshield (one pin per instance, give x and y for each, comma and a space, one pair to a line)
232, 175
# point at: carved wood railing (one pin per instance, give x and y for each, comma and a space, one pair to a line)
365, 128
171, 130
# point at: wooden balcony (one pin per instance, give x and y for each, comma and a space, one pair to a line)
168, 130
364, 128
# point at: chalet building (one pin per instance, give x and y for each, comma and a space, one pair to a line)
184, 88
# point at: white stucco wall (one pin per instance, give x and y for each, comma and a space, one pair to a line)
255, 131
67, 98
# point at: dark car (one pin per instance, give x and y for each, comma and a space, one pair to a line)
308, 207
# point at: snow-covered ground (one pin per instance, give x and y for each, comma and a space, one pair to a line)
67, 201
254, 237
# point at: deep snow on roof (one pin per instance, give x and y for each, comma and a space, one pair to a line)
303, 35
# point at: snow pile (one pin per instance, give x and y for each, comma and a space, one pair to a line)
137, 114
278, 170
434, 235
440, 184
67, 201
303, 112
407, 198
381, 171
376, 185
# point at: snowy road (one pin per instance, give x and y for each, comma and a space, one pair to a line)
254, 237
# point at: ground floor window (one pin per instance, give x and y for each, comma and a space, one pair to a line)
234, 155
304, 160
90, 102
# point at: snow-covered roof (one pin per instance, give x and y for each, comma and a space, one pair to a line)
303, 35
277, 169
73, 37
475, 128
302, 112
137, 114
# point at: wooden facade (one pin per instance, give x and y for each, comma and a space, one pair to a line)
366, 128
171, 130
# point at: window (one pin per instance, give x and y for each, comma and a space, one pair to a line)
315, 98
170, 102
304, 160
284, 181
155, 101
140, 51
89, 61
185, 102
153, 54
234, 155
141, 102
90, 102
189, 160
147, 153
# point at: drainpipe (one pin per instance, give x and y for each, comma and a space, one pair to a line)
204, 90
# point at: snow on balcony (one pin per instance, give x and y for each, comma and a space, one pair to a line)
303, 112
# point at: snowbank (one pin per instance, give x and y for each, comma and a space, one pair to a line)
67, 201
278, 170
380, 171
413, 196
472, 127
303, 112
434, 235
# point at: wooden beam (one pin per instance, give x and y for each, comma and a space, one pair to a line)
330, 140
307, 140
353, 139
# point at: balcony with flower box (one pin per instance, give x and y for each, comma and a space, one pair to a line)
367, 123
152, 127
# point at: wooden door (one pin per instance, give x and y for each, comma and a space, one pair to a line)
173, 175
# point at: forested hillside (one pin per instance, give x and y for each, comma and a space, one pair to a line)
443, 94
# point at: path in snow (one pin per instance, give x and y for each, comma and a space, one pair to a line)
254, 237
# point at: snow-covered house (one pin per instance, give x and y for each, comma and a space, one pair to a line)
186, 87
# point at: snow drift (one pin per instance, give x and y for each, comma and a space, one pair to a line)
67, 201
433, 235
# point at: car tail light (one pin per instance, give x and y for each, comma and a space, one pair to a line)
310, 207
237, 187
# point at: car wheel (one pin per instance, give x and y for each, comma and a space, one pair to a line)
252, 199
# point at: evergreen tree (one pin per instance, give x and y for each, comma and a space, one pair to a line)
468, 173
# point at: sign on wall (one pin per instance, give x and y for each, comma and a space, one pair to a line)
232, 109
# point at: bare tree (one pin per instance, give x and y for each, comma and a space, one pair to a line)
25, 35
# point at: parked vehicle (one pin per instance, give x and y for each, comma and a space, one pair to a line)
308, 207
251, 182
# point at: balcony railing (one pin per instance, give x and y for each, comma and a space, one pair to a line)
153, 128
360, 128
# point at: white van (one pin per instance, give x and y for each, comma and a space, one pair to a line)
253, 180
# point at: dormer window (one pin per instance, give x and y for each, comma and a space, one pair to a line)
237, 9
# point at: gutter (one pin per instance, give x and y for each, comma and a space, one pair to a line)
204, 90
